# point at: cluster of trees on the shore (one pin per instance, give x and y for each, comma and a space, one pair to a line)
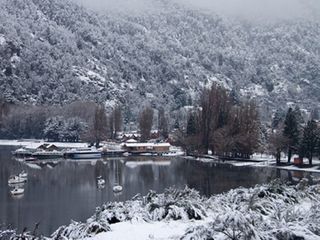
85, 121
222, 124
291, 134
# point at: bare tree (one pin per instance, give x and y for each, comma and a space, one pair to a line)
4, 109
216, 105
145, 122
163, 123
276, 144
117, 119
98, 130
115, 122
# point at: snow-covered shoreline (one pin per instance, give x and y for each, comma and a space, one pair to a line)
259, 162
31, 143
269, 211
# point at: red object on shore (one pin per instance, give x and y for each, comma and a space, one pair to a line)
298, 161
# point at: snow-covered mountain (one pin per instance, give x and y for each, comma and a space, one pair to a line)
54, 52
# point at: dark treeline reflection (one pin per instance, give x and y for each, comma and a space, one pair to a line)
56, 194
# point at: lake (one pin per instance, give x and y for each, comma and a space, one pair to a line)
55, 194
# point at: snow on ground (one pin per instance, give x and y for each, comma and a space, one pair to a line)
295, 168
2, 40
260, 160
140, 231
32, 144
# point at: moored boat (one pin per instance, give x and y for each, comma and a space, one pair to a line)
117, 189
22, 153
47, 154
30, 159
17, 191
16, 180
83, 153
100, 180
23, 175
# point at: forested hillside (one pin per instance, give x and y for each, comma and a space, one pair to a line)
56, 52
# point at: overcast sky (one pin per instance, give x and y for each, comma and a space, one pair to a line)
250, 9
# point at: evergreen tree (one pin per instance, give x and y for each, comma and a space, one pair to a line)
314, 114
291, 131
191, 125
310, 140
192, 138
278, 118
299, 117
54, 127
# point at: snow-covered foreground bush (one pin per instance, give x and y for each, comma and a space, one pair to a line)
271, 211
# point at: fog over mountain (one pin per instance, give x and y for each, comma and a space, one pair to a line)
245, 9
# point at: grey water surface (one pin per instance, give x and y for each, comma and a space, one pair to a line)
57, 193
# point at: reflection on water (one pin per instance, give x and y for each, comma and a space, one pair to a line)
57, 193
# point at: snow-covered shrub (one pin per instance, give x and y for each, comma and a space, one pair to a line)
6, 234
76, 230
175, 204
198, 233
271, 211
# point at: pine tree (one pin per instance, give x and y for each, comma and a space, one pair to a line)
191, 125
299, 117
310, 140
192, 138
291, 131
278, 118
314, 114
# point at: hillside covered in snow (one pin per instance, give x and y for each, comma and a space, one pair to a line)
56, 52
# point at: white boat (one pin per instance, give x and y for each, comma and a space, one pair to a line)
22, 152
126, 154
47, 154
83, 153
17, 191
23, 175
117, 188
100, 180
16, 180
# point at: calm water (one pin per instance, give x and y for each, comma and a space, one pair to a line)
56, 194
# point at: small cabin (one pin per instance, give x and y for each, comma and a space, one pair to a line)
155, 148
298, 161
161, 147
139, 147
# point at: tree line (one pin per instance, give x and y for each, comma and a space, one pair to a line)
222, 124
292, 135
73, 122
219, 122
79, 121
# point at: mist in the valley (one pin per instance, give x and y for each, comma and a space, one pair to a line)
247, 9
